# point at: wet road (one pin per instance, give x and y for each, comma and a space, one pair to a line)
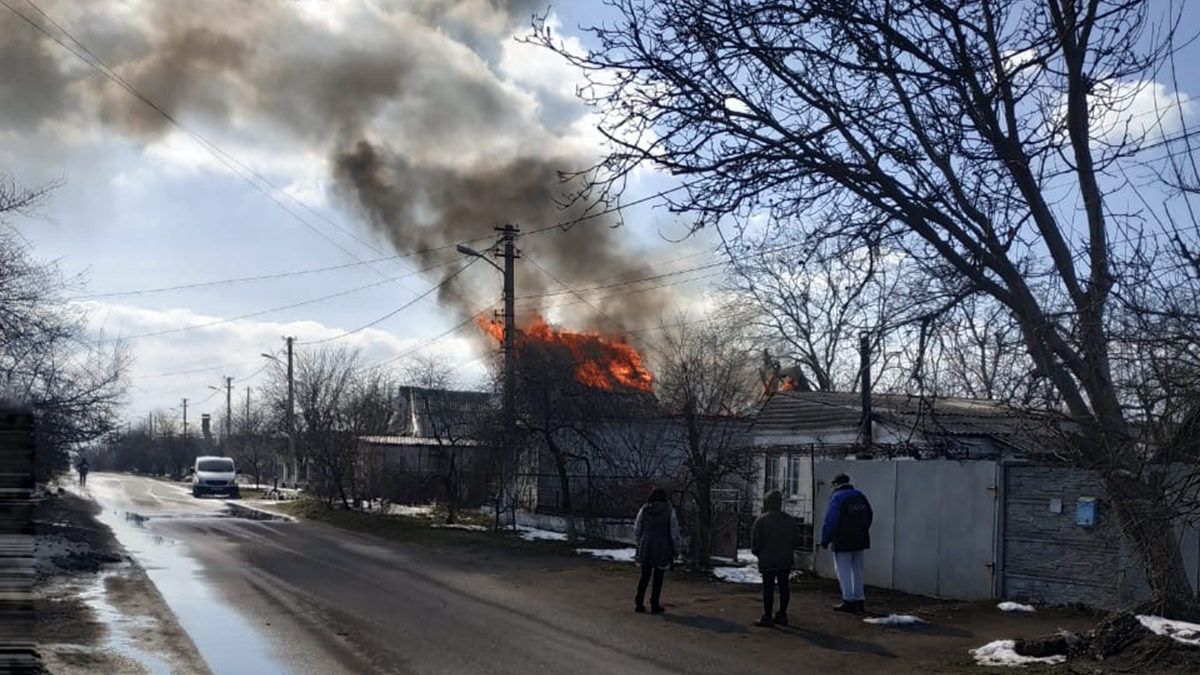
260, 596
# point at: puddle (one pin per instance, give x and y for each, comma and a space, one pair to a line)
224, 639
120, 628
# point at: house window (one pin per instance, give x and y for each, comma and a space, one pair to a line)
772, 477
793, 474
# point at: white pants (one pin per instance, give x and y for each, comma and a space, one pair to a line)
849, 565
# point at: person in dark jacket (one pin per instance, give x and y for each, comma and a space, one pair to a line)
772, 540
847, 529
83, 467
657, 532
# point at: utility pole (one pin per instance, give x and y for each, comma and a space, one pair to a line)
509, 253
185, 421
246, 425
864, 350
228, 410
291, 414
150, 425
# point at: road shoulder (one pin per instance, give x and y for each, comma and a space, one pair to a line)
95, 610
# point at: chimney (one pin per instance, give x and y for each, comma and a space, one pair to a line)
206, 427
864, 349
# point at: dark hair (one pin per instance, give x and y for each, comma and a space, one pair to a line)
773, 501
841, 479
657, 495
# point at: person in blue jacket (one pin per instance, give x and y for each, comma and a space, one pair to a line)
847, 529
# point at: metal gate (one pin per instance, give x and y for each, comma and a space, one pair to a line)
934, 531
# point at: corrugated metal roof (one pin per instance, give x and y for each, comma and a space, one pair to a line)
801, 412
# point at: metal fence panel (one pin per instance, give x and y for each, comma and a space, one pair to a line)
934, 531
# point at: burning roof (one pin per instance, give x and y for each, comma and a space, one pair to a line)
601, 362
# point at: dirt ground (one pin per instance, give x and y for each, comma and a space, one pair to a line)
720, 615
94, 611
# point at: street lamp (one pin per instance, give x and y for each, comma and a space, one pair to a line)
218, 389
467, 250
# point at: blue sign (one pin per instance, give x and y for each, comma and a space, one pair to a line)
1085, 512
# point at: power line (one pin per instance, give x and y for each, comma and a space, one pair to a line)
270, 275
430, 342
303, 303
399, 309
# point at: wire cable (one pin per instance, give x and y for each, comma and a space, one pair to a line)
399, 309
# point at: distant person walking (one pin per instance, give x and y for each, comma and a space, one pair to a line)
657, 532
82, 467
847, 529
772, 540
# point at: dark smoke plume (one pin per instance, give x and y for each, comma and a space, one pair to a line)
424, 139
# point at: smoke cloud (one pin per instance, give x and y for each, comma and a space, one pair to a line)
425, 139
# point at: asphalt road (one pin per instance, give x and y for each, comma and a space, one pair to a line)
327, 600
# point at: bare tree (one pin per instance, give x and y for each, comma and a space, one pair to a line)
706, 385
254, 448
74, 384
324, 379
811, 305
454, 428
958, 134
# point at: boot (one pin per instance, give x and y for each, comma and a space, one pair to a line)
639, 608
765, 621
847, 606
860, 607
657, 609
781, 619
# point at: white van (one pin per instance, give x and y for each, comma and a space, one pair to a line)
214, 475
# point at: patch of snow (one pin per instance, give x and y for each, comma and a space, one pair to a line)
1007, 606
895, 620
1179, 631
459, 526
744, 556
1004, 653
411, 510
738, 575
534, 534
614, 554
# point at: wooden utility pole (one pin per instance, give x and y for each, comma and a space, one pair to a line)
291, 411
228, 410
864, 351
185, 420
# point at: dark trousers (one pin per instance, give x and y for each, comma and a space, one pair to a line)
771, 579
655, 590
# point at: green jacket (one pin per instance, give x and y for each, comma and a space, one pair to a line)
772, 540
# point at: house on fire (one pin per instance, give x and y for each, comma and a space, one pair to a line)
973, 499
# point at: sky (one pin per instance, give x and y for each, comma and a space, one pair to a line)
334, 135
275, 112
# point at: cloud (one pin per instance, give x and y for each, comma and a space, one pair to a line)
1138, 111
161, 377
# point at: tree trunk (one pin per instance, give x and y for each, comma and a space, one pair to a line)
564, 483
1145, 519
704, 518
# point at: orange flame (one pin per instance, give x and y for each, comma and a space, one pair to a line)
602, 362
